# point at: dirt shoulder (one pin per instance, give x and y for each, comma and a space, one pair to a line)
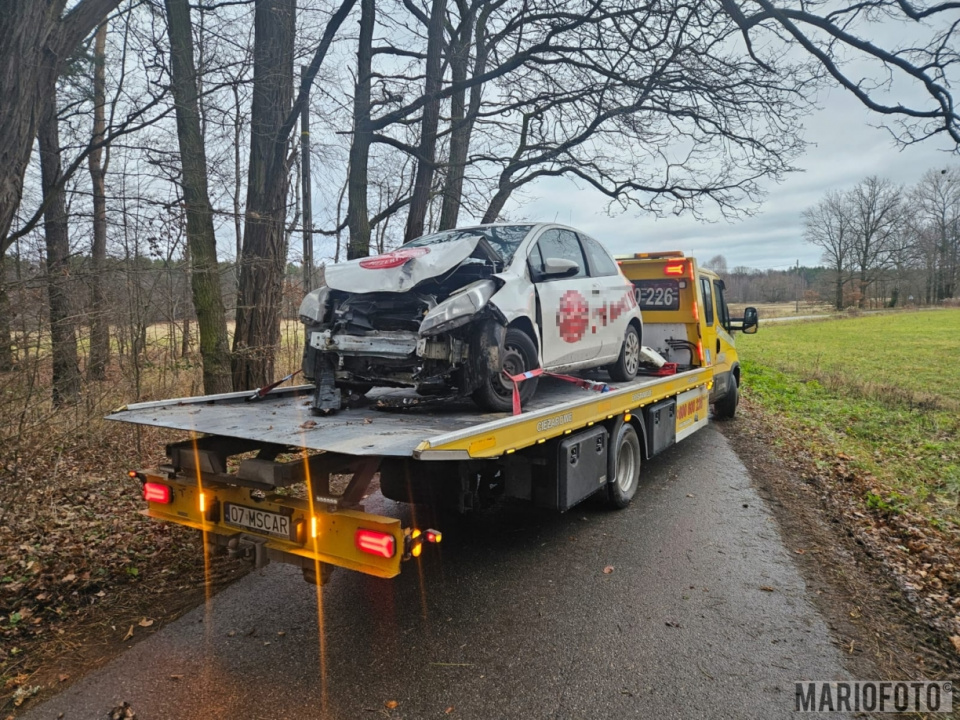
846, 567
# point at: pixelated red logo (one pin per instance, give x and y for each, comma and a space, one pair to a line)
573, 316
393, 259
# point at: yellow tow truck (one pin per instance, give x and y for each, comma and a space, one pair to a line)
232, 478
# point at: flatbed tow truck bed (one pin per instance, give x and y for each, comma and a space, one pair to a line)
243, 507
423, 428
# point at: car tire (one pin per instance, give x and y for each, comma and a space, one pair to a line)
518, 354
726, 407
624, 459
626, 366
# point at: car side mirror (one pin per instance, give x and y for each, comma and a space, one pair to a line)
559, 268
751, 321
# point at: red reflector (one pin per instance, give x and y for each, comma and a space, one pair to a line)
674, 268
375, 543
155, 492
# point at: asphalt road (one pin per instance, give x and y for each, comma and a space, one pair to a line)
704, 615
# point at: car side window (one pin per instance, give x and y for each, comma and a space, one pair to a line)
722, 310
706, 290
601, 264
557, 243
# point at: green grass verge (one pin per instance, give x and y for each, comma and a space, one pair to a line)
882, 393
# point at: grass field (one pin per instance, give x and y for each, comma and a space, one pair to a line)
784, 309
881, 393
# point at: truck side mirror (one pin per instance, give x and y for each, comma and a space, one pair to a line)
751, 321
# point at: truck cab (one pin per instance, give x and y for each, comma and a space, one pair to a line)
687, 320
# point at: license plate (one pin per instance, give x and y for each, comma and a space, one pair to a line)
260, 521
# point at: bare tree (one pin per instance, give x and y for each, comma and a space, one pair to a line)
935, 218
875, 206
357, 213
429, 121
99, 325
828, 225
201, 236
272, 120
63, 338
37, 37
718, 263
837, 34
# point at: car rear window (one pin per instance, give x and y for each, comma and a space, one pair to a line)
504, 239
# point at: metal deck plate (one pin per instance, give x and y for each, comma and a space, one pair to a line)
284, 417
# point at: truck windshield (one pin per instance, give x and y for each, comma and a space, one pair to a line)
504, 239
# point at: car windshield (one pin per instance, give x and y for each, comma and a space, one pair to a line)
504, 239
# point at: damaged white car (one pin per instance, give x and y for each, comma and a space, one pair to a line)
456, 312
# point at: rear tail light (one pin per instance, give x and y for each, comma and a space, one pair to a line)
674, 269
375, 543
157, 493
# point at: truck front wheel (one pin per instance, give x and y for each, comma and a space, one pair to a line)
623, 465
726, 407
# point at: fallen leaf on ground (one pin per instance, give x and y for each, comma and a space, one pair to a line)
309, 424
390, 704
955, 639
449, 710
123, 712
672, 623
128, 635
145, 623
766, 588
608, 569
176, 677
63, 678
799, 551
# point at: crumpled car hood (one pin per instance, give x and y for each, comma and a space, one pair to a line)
400, 270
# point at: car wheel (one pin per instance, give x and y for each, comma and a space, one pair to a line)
623, 465
726, 407
518, 355
626, 366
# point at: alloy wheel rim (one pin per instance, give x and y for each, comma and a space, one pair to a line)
631, 353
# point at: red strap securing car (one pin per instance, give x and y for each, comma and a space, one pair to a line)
594, 385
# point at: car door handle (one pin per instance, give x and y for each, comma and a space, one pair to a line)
596, 290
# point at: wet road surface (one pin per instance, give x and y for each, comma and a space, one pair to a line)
704, 615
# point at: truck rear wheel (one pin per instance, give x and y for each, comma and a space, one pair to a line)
623, 465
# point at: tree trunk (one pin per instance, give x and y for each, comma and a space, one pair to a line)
259, 297
461, 126
427, 150
497, 203
201, 237
6, 339
63, 339
99, 326
33, 32
358, 217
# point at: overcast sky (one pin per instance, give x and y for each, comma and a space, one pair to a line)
846, 148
